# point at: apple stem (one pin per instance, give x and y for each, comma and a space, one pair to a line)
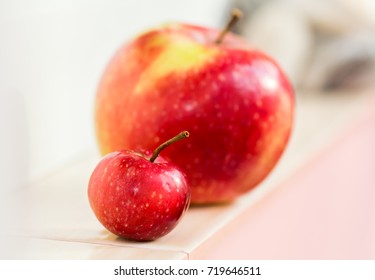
178, 137
236, 15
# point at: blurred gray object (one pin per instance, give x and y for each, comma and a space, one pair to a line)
321, 44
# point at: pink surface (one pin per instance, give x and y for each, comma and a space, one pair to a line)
326, 211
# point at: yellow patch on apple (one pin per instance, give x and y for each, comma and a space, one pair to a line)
178, 56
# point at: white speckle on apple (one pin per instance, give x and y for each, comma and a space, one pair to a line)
221, 77
189, 106
269, 83
153, 194
256, 116
116, 209
135, 190
130, 172
259, 103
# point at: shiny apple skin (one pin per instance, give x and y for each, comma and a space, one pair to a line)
137, 199
234, 100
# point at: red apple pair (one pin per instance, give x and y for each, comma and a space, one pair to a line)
236, 102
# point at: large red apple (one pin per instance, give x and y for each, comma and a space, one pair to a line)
235, 100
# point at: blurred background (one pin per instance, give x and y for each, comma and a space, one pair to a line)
322, 45
52, 54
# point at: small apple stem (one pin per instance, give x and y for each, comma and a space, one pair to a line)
236, 15
178, 137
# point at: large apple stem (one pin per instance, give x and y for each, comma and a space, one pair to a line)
236, 15
180, 136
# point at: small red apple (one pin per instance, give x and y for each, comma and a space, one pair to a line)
214, 84
136, 198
